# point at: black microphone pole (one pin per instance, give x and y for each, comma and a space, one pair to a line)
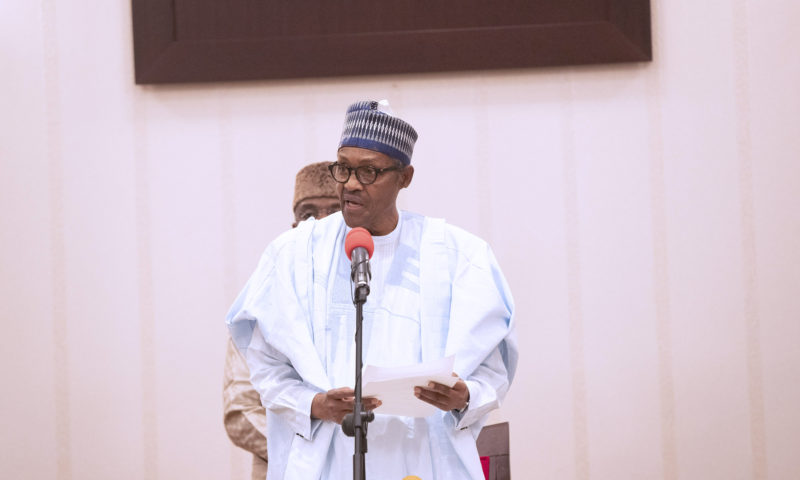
355, 424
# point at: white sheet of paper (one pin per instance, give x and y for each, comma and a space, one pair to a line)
394, 386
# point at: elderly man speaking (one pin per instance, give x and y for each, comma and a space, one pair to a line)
436, 291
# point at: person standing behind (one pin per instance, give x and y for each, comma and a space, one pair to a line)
244, 417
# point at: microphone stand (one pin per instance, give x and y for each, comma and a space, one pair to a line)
355, 424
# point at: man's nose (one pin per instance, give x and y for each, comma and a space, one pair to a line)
352, 183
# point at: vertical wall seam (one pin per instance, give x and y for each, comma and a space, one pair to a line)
574, 294
661, 285
747, 212
57, 240
227, 178
310, 153
483, 169
145, 286
228, 223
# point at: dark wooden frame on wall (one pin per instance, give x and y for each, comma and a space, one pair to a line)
198, 41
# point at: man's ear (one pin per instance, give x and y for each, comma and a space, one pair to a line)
407, 176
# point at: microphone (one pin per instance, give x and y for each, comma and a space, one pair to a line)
358, 246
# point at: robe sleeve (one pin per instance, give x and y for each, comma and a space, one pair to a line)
282, 389
481, 332
269, 307
487, 388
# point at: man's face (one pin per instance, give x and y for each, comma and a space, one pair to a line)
371, 206
317, 207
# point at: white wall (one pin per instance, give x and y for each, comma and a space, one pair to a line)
646, 216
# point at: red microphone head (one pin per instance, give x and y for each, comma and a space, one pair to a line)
358, 237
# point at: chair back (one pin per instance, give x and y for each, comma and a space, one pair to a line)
493, 445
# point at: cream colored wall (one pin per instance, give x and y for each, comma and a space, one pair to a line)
646, 217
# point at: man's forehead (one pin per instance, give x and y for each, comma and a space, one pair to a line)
362, 156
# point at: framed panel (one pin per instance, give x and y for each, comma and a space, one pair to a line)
224, 40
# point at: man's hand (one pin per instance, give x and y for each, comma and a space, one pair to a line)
444, 397
334, 404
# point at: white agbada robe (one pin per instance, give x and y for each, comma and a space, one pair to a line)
436, 291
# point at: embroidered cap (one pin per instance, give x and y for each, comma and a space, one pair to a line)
313, 180
371, 125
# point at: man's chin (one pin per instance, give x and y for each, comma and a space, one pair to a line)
353, 221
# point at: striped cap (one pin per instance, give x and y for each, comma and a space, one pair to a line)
369, 124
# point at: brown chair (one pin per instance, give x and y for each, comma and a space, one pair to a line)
493, 443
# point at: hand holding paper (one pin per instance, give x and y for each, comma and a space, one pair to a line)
395, 386
334, 404
444, 397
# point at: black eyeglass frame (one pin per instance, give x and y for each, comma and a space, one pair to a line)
362, 168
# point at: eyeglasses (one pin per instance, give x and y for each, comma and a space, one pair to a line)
365, 174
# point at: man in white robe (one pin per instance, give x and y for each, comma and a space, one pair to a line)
436, 291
